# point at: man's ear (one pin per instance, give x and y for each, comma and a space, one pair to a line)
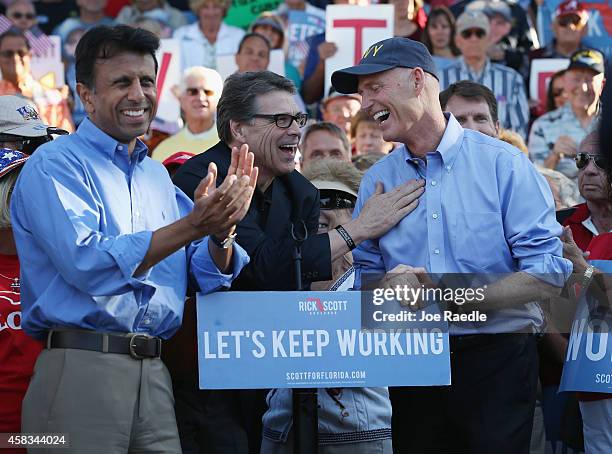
417, 80
86, 95
237, 130
497, 129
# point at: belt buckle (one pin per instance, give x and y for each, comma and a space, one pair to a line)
132, 345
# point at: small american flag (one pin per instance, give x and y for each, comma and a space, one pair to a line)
9, 159
40, 43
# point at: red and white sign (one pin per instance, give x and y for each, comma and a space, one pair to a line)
542, 69
354, 29
168, 75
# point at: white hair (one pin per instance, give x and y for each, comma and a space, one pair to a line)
213, 78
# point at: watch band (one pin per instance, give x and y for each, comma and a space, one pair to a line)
587, 277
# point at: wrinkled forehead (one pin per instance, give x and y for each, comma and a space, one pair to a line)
590, 145
459, 105
277, 101
388, 76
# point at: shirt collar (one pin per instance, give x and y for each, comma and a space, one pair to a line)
104, 143
469, 70
448, 146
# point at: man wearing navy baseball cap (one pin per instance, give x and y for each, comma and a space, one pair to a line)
473, 218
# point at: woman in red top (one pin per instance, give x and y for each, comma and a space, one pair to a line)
18, 352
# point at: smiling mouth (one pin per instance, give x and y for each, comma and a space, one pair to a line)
381, 115
133, 113
290, 149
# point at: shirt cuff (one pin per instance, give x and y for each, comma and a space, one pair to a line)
549, 268
205, 272
129, 251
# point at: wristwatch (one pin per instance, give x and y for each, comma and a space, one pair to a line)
587, 276
226, 243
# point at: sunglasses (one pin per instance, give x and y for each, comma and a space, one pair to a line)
284, 120
331, 199
17, 15
11, 53
195, 91
467, 34
582, 160
566, 21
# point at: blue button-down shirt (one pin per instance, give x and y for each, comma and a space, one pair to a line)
83, 214
485, 210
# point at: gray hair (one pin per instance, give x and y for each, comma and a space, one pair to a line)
330, 128
213, 78
7, 183
239, 97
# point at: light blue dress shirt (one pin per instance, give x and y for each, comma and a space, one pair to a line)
485, 209
83, 214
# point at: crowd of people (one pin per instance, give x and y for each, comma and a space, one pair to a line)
425, 158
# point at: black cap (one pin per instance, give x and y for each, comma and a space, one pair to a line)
589, 59
382, 56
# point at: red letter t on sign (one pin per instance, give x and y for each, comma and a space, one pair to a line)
359, 25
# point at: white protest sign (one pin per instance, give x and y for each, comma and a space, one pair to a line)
226, 64
168, 75
353, 29
48, 68
542, 69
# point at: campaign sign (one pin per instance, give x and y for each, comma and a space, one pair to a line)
168, 75
243, 12
588, 364
47, 68
542, 69
311, 340
599, 32
354, 29
302, 25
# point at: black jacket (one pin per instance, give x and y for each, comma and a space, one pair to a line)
265, 232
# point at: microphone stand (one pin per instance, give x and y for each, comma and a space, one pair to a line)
305, 416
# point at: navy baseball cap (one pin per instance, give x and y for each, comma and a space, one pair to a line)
382, 56
588, 59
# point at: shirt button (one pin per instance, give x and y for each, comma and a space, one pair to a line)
147, 321
434, 182
435, 215
448, 168
436, 251
120, 147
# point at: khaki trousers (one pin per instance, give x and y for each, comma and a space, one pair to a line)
105, 402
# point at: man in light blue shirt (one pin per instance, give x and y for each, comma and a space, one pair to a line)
485, 210
108, 246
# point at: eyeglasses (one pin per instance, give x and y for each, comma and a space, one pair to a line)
565, 21
11, 53
467, 34
17, 15
284, 120
582, 160
195, 91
